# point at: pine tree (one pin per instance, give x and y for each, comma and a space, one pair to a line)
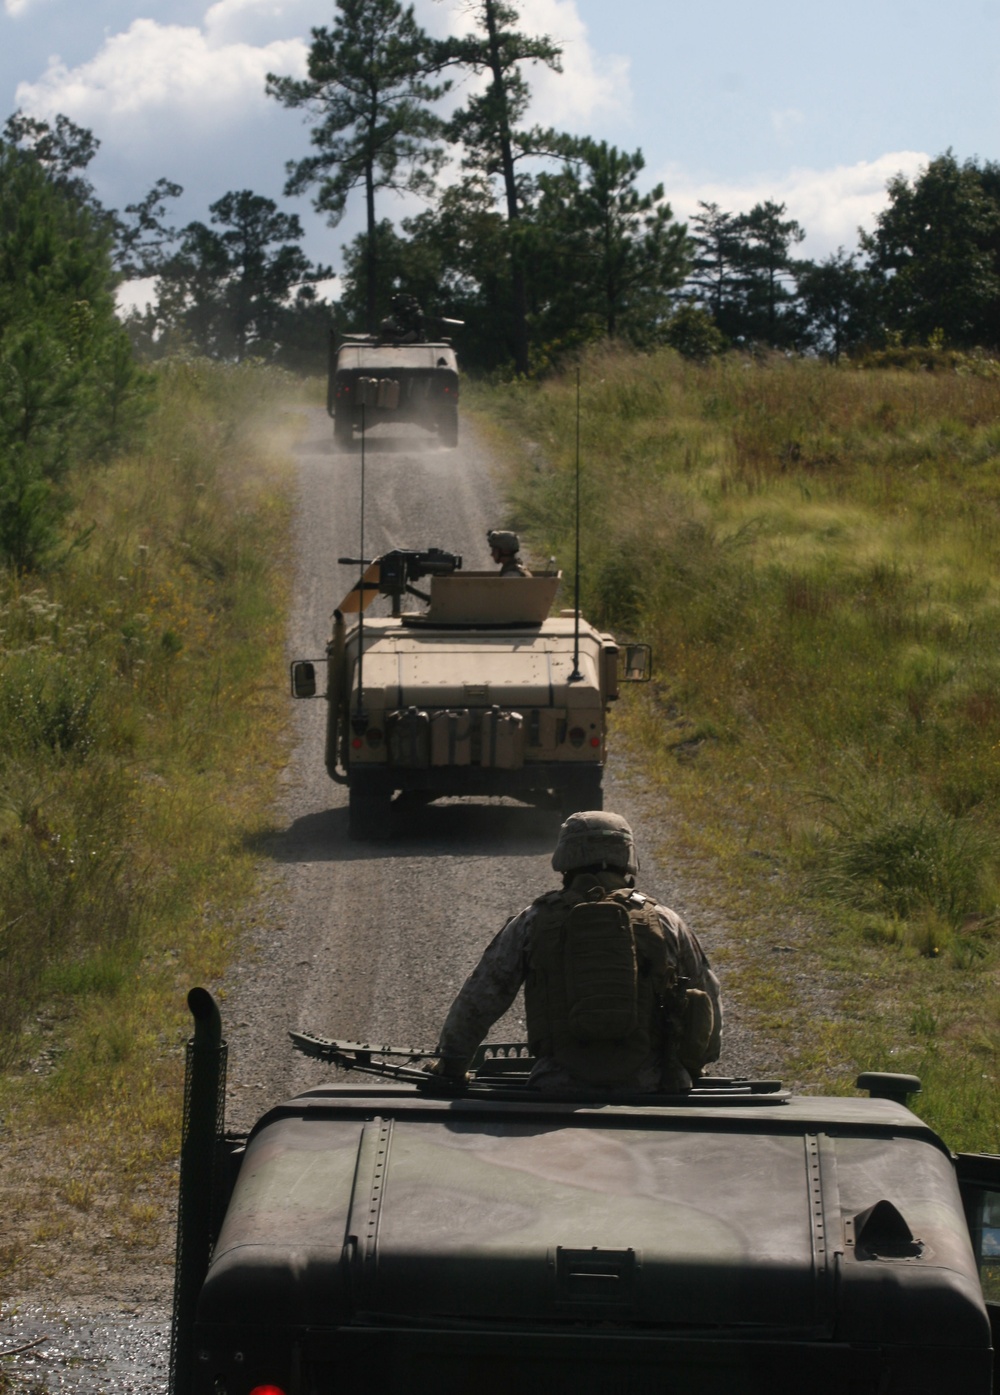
488, 126
368, 94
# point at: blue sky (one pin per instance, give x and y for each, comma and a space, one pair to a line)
813, 105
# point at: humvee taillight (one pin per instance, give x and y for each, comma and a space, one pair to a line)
374, 736
267, 1390
577, 736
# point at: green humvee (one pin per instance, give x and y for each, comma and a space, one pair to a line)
736, 1239
372, 382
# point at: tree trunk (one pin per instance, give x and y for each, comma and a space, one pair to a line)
371, 254
519, 293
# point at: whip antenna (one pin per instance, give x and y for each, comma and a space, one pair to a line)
361, 580
576, 675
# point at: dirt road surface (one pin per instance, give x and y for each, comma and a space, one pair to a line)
363, 941
370, 942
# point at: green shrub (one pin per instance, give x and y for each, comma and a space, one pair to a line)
893, 855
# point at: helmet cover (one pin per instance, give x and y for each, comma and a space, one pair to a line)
596, 839
505, 542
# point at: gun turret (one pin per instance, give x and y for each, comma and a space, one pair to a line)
397, 570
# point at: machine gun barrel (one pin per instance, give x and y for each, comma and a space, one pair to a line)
357, 1055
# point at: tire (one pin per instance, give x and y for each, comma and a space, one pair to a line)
369, 809
582, 791
448, 427
343, 430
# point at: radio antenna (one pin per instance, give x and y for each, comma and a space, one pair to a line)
576, 675
359, 719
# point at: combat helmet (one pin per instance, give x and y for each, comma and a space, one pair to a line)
596, 839
505, 542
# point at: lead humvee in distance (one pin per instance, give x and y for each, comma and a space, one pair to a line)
736, 1239
373, 381
480, 692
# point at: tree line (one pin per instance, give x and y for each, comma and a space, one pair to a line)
69, 385
72, 390
538, 240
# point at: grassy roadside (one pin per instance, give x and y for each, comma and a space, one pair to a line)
143, 707
813, 552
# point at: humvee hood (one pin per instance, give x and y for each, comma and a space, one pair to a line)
526, 673
427, 1212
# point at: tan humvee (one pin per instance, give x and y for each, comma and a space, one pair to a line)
482, 693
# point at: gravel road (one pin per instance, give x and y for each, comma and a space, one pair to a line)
368, 942
371, 942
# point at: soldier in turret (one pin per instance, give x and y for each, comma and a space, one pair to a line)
406, 323
504, 549
618, 993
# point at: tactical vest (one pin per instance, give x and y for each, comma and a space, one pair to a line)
598, 971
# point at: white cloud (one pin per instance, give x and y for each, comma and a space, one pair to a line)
591, 84
257, 21
829, 204
165, 80
16, 7
136, 295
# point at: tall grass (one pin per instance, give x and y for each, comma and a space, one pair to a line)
814, 554
128, 678
141, 711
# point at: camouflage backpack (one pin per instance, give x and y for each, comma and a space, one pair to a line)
599, 970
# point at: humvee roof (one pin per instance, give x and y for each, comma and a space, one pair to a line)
785, 1238
371, 356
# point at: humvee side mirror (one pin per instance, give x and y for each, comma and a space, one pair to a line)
303, 679
638, 665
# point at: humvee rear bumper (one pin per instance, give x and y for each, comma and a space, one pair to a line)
482, 781
453, 1361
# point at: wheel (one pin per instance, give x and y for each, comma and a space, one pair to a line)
343, 429
369, 808
448, 426
582, 791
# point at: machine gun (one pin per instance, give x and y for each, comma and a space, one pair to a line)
508, 1063
506, 1066
397, 570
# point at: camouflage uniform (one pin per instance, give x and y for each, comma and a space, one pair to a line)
494, 983
512, 567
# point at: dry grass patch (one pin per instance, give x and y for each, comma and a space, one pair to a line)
813, 553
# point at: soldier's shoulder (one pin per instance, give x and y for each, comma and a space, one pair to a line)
632, 900
678, 927
549, 898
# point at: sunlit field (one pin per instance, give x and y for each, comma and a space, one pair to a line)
813, 552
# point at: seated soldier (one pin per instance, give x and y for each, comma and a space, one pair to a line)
504, 548
406, 323
618, 992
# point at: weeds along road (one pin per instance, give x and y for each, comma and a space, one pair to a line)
371, 941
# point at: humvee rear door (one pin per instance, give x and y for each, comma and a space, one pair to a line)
979, 1181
